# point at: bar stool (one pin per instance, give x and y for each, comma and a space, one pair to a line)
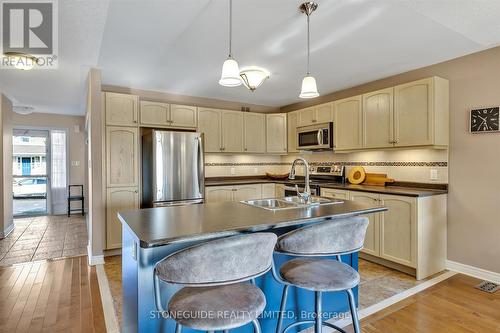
330, 238
216, 277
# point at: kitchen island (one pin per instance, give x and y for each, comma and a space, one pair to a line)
149, 235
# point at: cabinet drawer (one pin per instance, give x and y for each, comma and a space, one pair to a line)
334, 193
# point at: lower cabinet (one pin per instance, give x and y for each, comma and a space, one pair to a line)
233, 193
268, 191
118, 199
372, 238
411, 233
398, 230
280, 190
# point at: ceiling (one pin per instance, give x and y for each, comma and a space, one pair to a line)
179, 46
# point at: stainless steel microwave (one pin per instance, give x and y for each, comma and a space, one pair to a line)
315, 137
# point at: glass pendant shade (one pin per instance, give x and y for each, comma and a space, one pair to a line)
230, 76
253, 77
309, 88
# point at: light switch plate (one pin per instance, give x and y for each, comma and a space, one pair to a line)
233, 171
434, 174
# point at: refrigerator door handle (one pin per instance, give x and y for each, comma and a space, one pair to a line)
201, 165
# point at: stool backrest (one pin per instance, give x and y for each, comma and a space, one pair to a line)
337, 236
219, 262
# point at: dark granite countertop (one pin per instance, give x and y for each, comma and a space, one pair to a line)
411, 191
167, 225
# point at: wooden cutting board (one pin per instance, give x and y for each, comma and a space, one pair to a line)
377, 179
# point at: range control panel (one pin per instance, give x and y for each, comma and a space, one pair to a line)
331, 170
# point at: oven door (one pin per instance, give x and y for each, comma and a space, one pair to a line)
290, 190
316, 137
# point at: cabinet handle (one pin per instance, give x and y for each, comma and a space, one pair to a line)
246, 149
314, 120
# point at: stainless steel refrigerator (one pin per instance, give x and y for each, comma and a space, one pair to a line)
172, 168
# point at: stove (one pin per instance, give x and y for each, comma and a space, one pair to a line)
318, 176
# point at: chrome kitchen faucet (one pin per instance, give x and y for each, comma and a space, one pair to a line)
306, 195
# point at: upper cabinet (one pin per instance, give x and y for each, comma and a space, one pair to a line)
276, 130
183, 116
292, 120
315, 114
421, 113
209, 123
122, 156
232, 131
153, 113
166, 115
378, 113
121, 109
255, 132
348, 122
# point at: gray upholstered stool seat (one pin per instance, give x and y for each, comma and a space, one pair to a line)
216, 274
319, 274
235, 305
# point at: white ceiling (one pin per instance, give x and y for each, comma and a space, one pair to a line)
179, 46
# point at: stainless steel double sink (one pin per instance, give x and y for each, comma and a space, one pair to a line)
290, 203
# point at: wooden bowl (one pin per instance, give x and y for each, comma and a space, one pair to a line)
277, 176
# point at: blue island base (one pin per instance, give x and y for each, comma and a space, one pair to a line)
139, 310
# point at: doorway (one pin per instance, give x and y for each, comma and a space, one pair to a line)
30, 170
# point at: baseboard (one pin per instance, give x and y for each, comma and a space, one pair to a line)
7, 231
476, 272
94, 260
113, 252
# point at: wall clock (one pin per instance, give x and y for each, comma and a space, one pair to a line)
484, 120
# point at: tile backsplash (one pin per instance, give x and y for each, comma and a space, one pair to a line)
403, 165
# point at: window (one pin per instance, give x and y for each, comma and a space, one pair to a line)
25, 139
58, 142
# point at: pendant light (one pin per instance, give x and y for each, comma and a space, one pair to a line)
230, 76
309, 88
253, 77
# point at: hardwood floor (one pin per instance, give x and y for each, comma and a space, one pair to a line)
453, 306
50, 296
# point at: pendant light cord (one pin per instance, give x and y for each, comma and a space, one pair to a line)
230, 26
308, 47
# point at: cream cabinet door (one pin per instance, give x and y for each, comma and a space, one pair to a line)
323, 113
268, 190
292, 120
153, 113
121, 109
280, 190
348, 124
183, 116
334, 193
247, 192
122, 156
414, 113
398, 230
378, 119
118, 200
232, 131
219, 194
209, 123
307, 116
276, 129
372, 238
255, 132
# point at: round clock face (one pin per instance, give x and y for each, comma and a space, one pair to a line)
484, 120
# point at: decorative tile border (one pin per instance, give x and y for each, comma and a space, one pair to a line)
380, 164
